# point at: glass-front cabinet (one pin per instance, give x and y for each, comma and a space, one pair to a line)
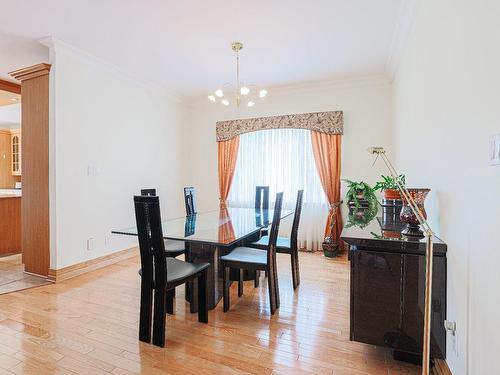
16, 152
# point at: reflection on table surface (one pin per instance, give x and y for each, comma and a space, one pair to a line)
223, 227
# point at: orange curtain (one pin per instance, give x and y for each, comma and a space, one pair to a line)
227, 154
326, 149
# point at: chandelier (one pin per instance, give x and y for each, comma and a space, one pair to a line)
241, 93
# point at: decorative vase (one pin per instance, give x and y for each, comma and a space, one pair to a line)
407, 216
331, 248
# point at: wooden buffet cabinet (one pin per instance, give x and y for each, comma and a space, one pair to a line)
387, 288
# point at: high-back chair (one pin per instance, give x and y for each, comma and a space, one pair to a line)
190, 200
160, 274
288, 245
148, 192
251, 259
173, 248
262, 197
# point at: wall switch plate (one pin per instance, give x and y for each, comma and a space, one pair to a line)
495, 149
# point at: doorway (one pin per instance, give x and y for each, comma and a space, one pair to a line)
14, 274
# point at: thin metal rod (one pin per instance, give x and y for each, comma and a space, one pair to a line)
238, 78
429, 257
406, 193
426, 345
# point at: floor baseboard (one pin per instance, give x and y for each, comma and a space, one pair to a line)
90, 265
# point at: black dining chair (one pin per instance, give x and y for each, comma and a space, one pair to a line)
251, 259
287, 245
161, 274
173, 248
262, 197
148, 192
190, 200
262, 203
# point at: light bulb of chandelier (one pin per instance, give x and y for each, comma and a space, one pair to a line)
219, 93
225, 102
251, 104
244, 90
211, 98
262, 93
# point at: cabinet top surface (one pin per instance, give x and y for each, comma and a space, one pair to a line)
10, 193
381, 230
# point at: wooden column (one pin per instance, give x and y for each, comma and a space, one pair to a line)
35, 167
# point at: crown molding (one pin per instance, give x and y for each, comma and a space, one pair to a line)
32, 71
55, 44
313, 86
10, 86
402, 30
337, 83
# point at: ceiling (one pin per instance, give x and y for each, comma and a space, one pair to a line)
9, 98
185, 45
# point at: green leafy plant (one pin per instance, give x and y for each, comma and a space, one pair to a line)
388, 182
360, 190
361, 217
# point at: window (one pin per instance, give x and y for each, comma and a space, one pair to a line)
283, 160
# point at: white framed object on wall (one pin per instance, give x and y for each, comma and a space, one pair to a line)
495, 149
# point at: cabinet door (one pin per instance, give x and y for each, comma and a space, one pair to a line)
375, 296
16, 154
388, 303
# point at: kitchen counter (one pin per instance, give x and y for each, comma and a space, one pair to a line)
10, 193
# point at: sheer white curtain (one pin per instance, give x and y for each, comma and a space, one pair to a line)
283, 160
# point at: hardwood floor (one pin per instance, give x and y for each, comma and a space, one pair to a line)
89, 325
12, 277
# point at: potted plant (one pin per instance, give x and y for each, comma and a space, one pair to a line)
389, 186
361, 217
360, 194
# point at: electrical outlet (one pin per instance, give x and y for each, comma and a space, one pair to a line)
454, 344
90, 244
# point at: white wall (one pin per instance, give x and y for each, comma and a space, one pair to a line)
447, 105
129, 135
368, 121
10, 116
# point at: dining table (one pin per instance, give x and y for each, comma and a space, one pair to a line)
210, 235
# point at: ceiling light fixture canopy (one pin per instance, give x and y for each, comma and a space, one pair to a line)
242, 93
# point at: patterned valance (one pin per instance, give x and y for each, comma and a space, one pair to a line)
324, 122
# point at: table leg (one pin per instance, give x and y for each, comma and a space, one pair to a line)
204, 253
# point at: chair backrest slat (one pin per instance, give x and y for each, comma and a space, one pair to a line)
190, 200
262, 197
150, 192
151, 245
275, 226
296, 220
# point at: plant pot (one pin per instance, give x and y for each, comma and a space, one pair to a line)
330, 249
392, 194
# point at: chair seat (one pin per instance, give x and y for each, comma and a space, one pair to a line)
281, 242
178, 270
246, 255
174, 247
